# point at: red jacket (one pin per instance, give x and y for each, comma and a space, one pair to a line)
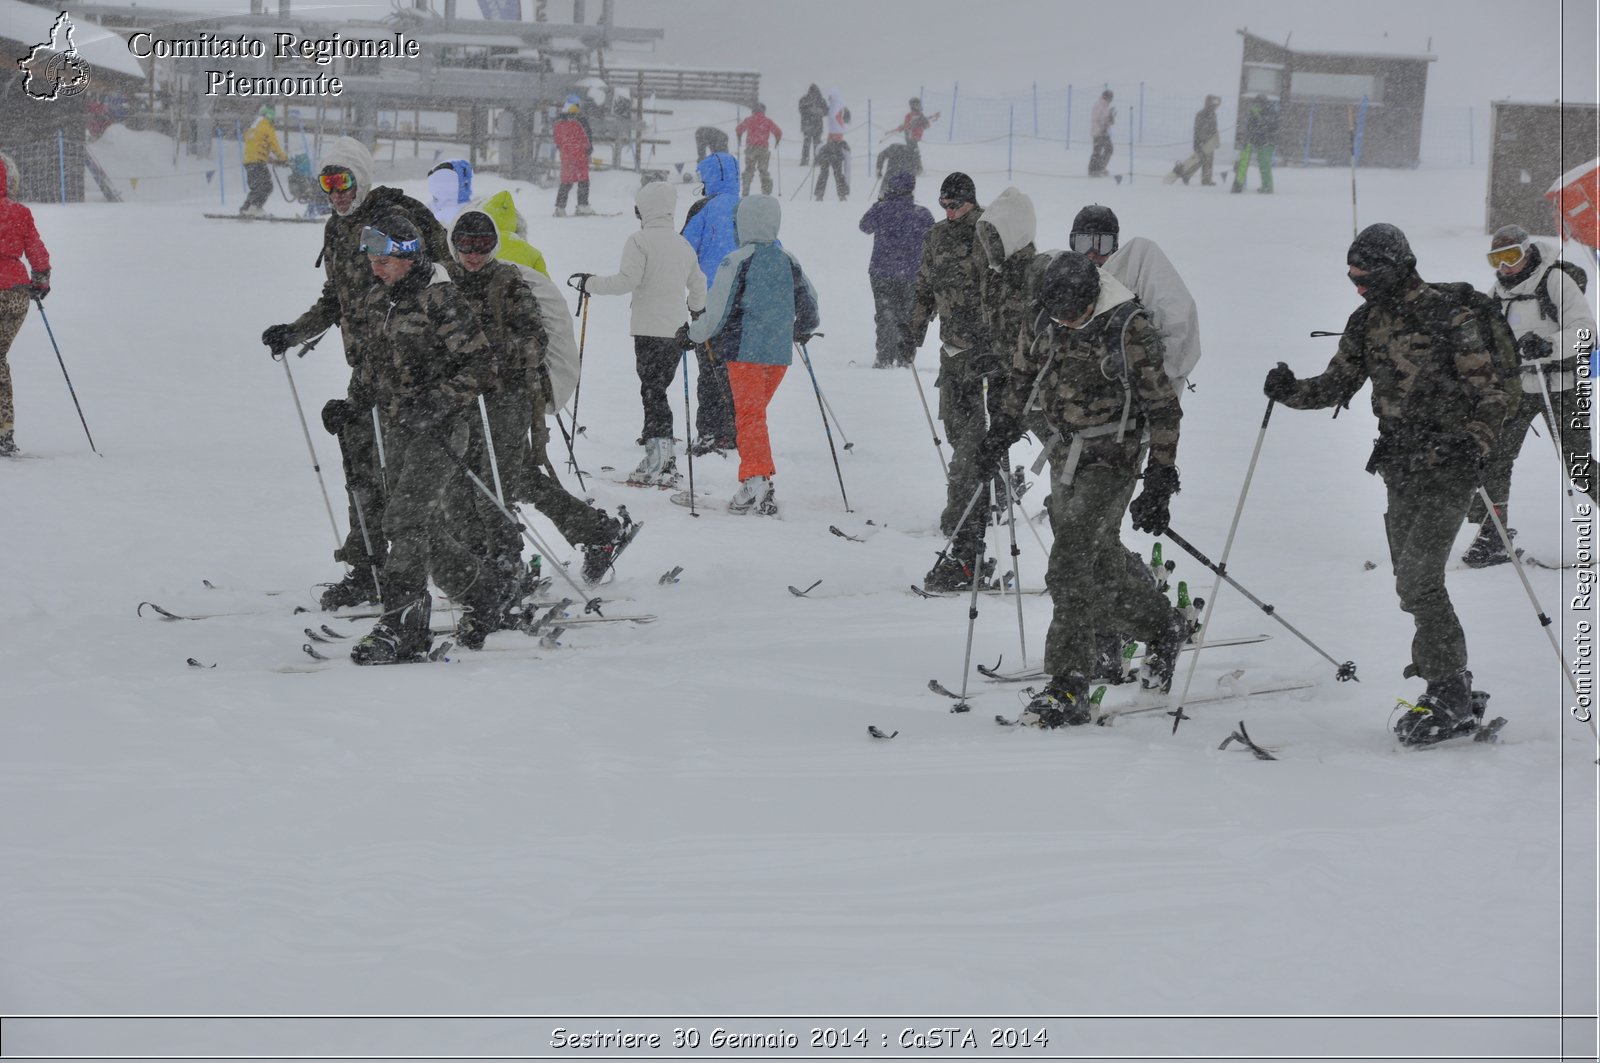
18, 238
756, 129
573, 143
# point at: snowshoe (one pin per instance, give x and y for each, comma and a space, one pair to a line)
1064, 702
1449, 707
355, 589
1487, 549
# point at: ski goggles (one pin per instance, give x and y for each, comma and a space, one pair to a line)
337, 181
1504, 257
475, 243
1099, 243
952, 204
376, 242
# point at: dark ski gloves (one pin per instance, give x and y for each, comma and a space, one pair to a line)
1149, 511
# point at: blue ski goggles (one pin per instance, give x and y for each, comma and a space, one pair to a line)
376, 242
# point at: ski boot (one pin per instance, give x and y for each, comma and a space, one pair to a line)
560, 212
703, 446
1111, 657
598, 554
755, 495
1064, 702
952, 574
8, 445
1448, 707
397, 638
1487, 548
1161, 653
355, 589
583, 210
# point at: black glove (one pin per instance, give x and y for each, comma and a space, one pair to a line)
1280, 382
995, 450
40, 286
336, 414
802, 338
1149, 510
278, 338
1532, 348
684, 342
582, 280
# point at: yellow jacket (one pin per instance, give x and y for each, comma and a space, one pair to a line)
261, 143
512, 247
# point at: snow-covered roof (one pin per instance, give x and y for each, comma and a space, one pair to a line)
1351, 45
101, 48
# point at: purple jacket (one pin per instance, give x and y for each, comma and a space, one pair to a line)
898, 227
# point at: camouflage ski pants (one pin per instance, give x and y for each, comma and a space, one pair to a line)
358, 449
1573, 433
1096, 583
961, 410
13, 308
510, 417
1425, 512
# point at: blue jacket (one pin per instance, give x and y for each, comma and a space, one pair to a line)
898, 226
761, 298
710, 229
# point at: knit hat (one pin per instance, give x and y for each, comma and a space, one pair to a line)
959, 187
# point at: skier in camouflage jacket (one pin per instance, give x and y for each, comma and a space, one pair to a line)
1440, 403
347, 165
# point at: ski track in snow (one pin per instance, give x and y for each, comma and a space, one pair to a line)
688, 816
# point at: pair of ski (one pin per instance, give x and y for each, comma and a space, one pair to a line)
542, 626
1031, 675
1165, 703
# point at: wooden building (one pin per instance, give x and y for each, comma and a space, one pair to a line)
1530, 146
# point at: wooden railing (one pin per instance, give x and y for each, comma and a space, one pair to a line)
741, 87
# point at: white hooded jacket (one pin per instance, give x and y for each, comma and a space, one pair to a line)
1143, 266
1520, 304
658, 267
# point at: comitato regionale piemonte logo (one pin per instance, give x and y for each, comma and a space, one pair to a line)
54, 68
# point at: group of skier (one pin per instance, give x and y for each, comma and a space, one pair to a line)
1089, 349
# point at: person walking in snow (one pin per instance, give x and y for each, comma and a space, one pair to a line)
761, 305
503, 296
660, 270
949, 286
1205, 145
261, 149
898, 158
572, 141
914, 124
1553, 326
708, 139
1440, 404
834, 155
1090, 321
710, 230
756, 132
898, 226
1101, 118
346, 179
430, 361
1260, 136
19, 285
813, 111
449, 189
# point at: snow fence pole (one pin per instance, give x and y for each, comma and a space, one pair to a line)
1544, 618
1346, 671
1227, 548
37, 301
938, 444
805, 356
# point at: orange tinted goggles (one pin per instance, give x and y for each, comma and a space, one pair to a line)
1503, 257
337, 181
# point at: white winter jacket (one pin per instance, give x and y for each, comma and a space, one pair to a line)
1144, 267
658, 267
1520, 303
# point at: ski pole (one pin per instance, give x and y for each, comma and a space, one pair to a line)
37, 301
1555, 441
316, 466
1544, 619
1216, 586
806, 357
488, 442
688, 450
938, 444
1346, 671
1016, 567
807, 181
366, 540
583, 336
829, 406
972, 623
572, 459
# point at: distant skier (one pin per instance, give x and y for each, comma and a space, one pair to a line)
449, 189
19, 285
572, 141
756, 132
710, 230
899, 158
834, 155
1440, 405
1101, 118
261, 149
660, 270
914, 124
1260, 136
708, 139
1205, 144
898, 226
761, 305
813, 110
